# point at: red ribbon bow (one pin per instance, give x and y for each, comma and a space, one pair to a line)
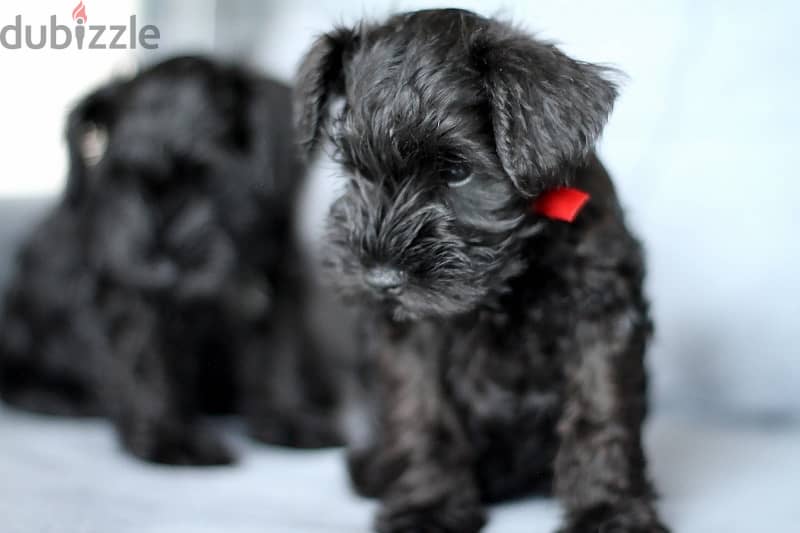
561, 204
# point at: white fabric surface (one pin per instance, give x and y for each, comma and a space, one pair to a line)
68, 476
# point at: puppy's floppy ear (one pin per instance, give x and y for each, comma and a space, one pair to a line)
94, 113
547, 110
319, 78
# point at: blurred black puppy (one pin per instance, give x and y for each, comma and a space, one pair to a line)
506, 347
167, 283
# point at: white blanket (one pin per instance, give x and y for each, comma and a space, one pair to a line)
68, 476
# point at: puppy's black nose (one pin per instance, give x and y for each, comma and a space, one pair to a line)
385, 278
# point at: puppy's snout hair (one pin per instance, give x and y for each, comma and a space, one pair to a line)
397, 226
405, 231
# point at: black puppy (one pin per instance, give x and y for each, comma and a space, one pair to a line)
506, 348
167, 283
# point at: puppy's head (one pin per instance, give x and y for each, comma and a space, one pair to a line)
191, 149
447, 125
168, 123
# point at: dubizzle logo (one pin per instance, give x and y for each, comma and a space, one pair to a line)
55, 36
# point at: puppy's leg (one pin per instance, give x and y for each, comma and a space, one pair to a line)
146, 390
423, 459
289, 389
287, 398
600, 473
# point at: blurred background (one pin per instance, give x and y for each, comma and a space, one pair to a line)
702, 145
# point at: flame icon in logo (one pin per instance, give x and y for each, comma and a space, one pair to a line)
79, 13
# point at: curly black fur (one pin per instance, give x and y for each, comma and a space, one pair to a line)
504, 350
166, 284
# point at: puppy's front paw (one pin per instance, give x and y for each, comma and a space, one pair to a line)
307, 433
445, 518
636, 517
188, 447
370, 473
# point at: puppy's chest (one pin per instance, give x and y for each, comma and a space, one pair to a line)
502, 379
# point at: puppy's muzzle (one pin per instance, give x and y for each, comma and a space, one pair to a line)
385, 279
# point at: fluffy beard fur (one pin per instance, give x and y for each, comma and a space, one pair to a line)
166, 284
505, 352
446, 273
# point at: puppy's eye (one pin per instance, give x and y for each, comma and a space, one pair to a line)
456, 175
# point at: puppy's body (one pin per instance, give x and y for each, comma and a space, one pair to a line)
507, 367
505, 350
181, 233
51, 337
